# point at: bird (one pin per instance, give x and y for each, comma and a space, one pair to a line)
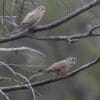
30, 20
33, 17
61, 67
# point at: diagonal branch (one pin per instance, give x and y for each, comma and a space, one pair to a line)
5, 95
48, 81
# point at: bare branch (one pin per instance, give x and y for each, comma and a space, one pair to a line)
20, 49
22, 65
48, 81
93, 28
12, 37
4, 78
72, 38
6, 97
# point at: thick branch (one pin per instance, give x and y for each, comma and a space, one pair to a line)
12, 37
48, 81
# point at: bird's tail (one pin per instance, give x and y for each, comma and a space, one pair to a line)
44, 70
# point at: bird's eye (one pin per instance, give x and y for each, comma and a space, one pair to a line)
73, 60
42, 8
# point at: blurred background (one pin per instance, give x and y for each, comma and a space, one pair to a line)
84, 85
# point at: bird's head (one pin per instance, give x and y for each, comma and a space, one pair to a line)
72, 60
41, 8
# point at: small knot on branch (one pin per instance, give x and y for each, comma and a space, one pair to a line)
72, 40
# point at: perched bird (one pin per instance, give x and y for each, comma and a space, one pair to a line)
33, 17
60, 68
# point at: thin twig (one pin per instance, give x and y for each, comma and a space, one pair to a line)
6, 97
3, 78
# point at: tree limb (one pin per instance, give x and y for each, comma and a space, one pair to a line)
70, 37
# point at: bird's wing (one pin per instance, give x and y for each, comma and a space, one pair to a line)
57, 65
